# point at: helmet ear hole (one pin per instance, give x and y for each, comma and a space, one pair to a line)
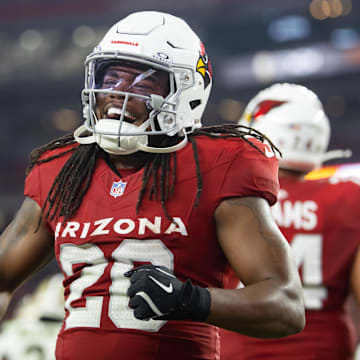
195, 103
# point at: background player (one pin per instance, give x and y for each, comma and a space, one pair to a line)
32, 332
320, 220
140, 182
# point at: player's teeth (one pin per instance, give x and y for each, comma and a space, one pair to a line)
118, 111
114, 110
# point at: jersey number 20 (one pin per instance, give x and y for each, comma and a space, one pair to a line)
128, 252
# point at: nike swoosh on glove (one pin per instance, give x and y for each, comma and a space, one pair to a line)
156, 293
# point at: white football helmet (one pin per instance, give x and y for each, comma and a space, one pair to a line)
157, 42
46, 302
293, 117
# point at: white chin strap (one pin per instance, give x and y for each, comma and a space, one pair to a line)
121, 144
336, 154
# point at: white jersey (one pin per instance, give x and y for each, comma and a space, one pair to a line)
28, 340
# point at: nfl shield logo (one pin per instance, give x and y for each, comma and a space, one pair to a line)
117, 188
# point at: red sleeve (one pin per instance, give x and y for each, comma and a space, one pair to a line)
32, 186
252, 173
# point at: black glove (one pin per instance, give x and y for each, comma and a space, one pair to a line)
157, 294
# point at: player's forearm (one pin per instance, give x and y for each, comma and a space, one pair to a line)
25, 246
258, 310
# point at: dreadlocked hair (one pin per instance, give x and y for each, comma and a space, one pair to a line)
236, 131
224, 132
73, 180
35, 155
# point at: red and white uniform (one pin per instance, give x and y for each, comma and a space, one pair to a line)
106, 238
320, 219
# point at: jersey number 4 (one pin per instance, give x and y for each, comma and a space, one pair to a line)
307, 250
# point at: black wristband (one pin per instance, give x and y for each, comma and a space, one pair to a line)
195, 301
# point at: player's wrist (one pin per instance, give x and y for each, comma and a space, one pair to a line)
195, 301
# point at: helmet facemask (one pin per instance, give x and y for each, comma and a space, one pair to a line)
118, 131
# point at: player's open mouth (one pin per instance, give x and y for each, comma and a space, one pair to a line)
114, 113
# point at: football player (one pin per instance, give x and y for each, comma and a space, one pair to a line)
318, 214
146, 210
32, 332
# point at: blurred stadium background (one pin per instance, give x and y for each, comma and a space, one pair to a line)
251, 43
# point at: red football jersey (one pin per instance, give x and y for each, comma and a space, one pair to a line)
320, 219
106, 238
